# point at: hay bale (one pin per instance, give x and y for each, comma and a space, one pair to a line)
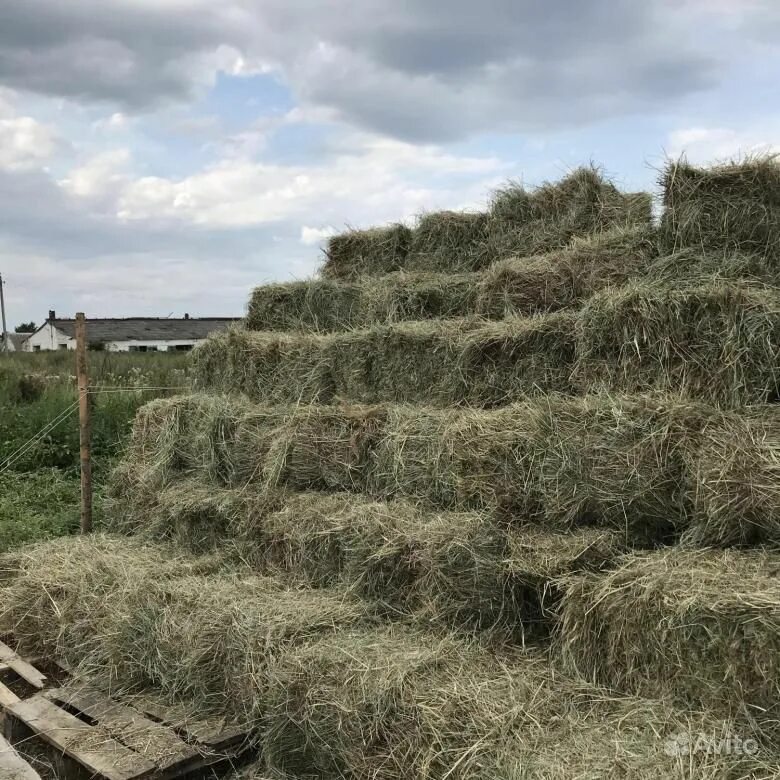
549, 217
135, 616
735, 206
367, 252
277, 367
736, 473
418, 296
318, 305
320, 449
450, 241
396, 704
503, 362
703, 626
565, 277
717, 342
617, 462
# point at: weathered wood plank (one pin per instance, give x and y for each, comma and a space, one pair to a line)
7, 696
211, 733
155, 742
88, 745
12, 765
24, 669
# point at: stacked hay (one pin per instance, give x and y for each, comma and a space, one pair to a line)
734, 206
448, 519
717, 341
647, 467
519, 223
702, 625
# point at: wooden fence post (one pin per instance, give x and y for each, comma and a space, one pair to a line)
85, 423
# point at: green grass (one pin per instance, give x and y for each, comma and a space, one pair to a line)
39, 491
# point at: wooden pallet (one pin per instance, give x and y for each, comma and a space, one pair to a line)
106, 739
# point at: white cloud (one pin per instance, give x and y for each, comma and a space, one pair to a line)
712, 144
99, 177
377, 180
25, 142
312, 236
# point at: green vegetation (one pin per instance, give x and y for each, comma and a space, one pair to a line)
39, 482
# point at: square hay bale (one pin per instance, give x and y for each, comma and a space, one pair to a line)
418, 362
717, 342
268, 367
702, 626
413, 457
323, 448
583, 202
505, 361
319, 305
735, 206
391, 704
418, 296
616, 463
491, 459
450, 241
565, 277
736, 476
134, 617
367, 252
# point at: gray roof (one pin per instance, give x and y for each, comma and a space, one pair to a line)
17, 339
103, 331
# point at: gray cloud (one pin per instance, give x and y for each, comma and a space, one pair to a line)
430, 70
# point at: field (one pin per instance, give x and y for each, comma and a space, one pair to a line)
39, 490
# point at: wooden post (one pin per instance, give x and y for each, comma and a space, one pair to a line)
85, 424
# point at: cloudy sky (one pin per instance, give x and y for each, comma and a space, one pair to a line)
163, 156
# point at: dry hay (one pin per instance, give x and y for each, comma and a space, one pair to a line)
519, 223
374, 251
132, 616
549, 217
643, 466
327, 305
717, 342
735, 206
397, 705
517, 286
311, 304
437, 362
737, 479
449, 240
703, 626
458, 569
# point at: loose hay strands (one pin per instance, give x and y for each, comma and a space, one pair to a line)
448, 240
737, 478
439, 362
701, 625
735, 206
717, 342
549, 217
395, 705
134, 616
374, 251
457, 569
641, 466
518, 286
519, 223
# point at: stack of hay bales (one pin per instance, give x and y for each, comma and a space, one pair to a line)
496, 497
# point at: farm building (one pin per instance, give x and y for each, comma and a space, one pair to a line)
129, 334
16, 341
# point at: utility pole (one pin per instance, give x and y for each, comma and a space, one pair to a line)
4, 345
85, 424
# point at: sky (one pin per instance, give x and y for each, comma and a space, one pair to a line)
159, 157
